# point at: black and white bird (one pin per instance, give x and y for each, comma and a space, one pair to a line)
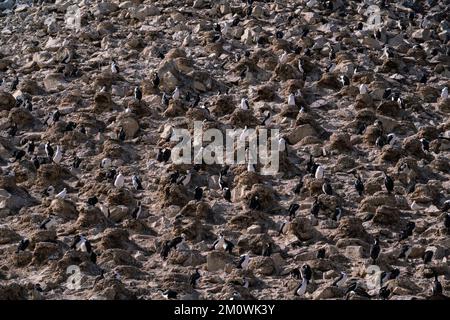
301, 288
298, 187
194, 279
30, 147
138, 93
311, 166
49, 223
381, 141
315, 207
244, 104
436, 290
447, 221
136, 214
319, 173
137, 184
76, 162
222, 182
293, 209
384, 293
155, 80
165, 99
178, 242
337, 214
166, 155
114, 67
14, 83
185, 179
236, 296
387, 93
244, 261
198, 193
267, 250
405, 252
62, 194
427, 256
344, 80
227, 194
359, 186
446, 206
391, 139
169, 294
254, 203
49, 150
58, 155
321, 253
223, 244
92, 201
356, 288
23, 245
165, 250
375, 250
176, 94
122, 134
389, 275
173, 177
408, 231
295, 273
49, 191
388, 183
425, 145
327, 188
306, 272
340, 281
265, 121
81, 243
105, 210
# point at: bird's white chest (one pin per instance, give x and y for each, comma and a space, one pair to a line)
119, 181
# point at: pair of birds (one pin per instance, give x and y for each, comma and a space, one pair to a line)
119, 182
388, 183
305, 274
176, 243
176, 95
50, 192
51, 154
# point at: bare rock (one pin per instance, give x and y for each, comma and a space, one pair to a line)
300, 132
340, 142
63, 208
129, 125
21, 117
7, 101
328, 292
217, 260
241, 118
54, 82
115, 239
13, 291
102, 102
351, 227
223, 105
387, 215
302, 228
8, 235
43, 236
117, 257
262, 265
43, 251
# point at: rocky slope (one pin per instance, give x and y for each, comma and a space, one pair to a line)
222, 51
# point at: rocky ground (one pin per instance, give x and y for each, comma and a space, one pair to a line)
65, 69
